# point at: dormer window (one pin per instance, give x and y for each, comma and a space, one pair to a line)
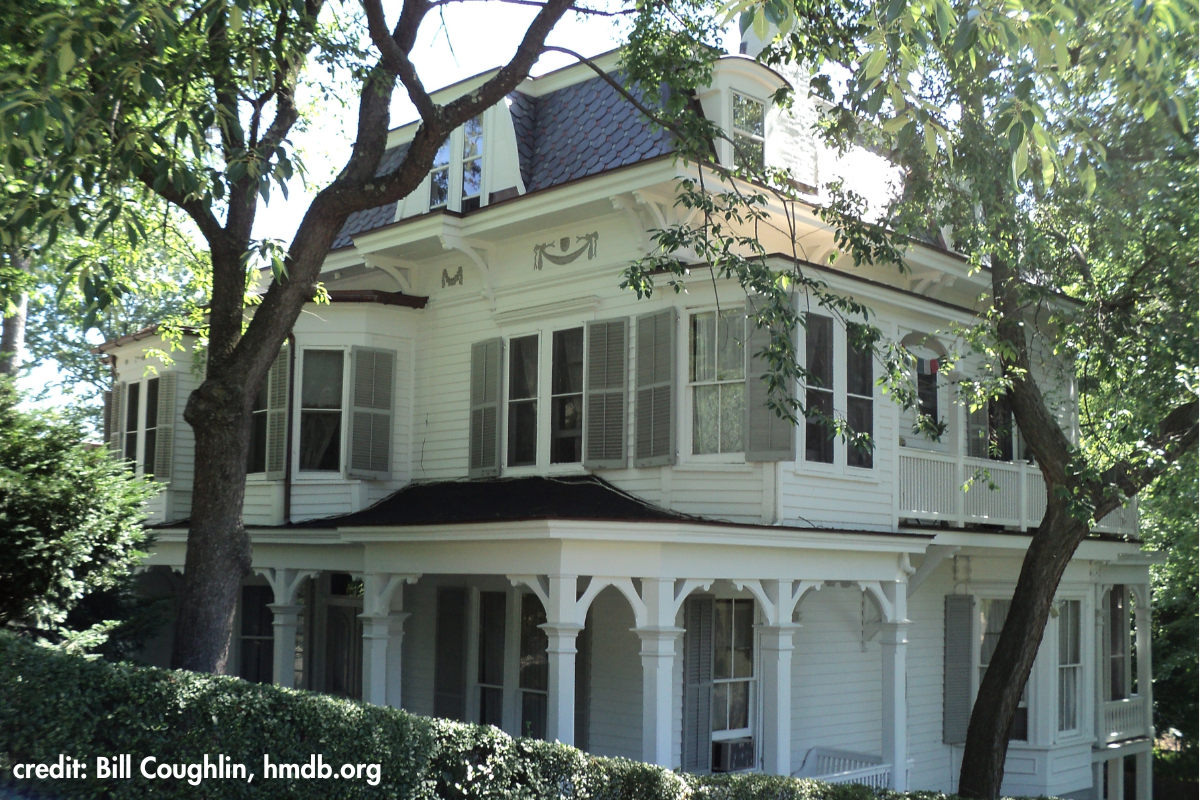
749, 126
457, 183
472, 163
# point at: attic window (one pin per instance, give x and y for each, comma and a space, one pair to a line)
472, 163
749, 117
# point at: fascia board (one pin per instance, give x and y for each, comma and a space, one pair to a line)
663, 533
568, 75
982, 543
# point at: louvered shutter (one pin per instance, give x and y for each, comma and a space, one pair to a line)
486, 385
697, 684
116, 419
372, 379
164, 443
655, 427
956, 686
278, 385
769, 437
106, 414
606, 380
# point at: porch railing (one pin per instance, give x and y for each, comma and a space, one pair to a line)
1124, 719
845, 766
1006, 493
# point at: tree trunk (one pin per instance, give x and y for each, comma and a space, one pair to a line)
12, 338
1003, 682
218, 549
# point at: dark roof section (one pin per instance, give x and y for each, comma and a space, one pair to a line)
377, 296
577, 131
376, 217
502, 500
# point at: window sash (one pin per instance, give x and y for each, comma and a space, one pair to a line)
748, 128
733, 668
1070, 663
566, 397
472, 160
717, 375
992, 614
131, 421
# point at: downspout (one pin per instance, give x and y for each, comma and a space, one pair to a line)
287, 459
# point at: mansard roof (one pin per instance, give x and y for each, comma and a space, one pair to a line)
574, 132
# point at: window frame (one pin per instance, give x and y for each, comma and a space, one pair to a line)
752, 702
735, 131
1078, 668
552, 396
454, 171
1030, 701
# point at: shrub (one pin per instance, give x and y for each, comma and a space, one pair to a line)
54, 702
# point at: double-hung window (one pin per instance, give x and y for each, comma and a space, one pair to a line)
150, 435
860, 403
456, 176
818, 353
566, 397
991, 622
522, 401
258, 432
991, 432
718, 381
257, 635
132, 403
472, 163
749, 128
439, 177
493, 611
321, 411
1070, 665
1118, 643
733, 668
535, 668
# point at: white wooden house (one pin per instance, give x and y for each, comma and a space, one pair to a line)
488, 484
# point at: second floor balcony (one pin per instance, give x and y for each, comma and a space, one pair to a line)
1008, 494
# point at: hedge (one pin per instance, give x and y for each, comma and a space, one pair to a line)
54, 703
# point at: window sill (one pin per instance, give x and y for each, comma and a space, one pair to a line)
807, 469
714, 466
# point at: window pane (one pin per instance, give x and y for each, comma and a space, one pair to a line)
149, 445
491, 637
322, 379
533, 715
568, 362
443, 155
320, 440
566, 446
739, 704
704, 338
491, 706
748, 153
994, 613
152, 403
860, 417
748, 115
723, 639
131, 421
522, 433
472, 138
818, 435
720, 708
258, 443
818, 349
472, 177
732, 410
859, 369
534, 672
439, 187
706, 416
743, 639
731, 354
522, 375
927, 396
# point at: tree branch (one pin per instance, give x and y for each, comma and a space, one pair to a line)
394, 57
1177, 433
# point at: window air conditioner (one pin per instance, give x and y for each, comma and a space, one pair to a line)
733, 755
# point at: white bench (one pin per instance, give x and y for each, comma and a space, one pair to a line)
845, 766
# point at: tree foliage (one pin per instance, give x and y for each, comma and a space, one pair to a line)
70, 517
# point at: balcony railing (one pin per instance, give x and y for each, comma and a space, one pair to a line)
844, 766
1124, 719
1006, 493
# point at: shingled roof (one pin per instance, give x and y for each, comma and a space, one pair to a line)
577, 131
502, 500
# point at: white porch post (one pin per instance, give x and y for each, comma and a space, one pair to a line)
893, 639
284, 621
1144, 781
776, 647
285, 611
383, 633
1116, 779
659, 637
561, 629
1098, 780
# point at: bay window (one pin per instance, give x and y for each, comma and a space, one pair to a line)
717, 377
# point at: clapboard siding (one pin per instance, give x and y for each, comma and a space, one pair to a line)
931, 757
416, 688
616, 669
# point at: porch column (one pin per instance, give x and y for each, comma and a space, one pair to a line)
561, 628
1116, 779
285, 611
893, 639
1098, 780
776, 648
659, 637
285, 619
1144, 774
383, 633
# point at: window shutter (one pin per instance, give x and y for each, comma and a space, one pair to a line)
486, 385
372, 380
278, 385
116, 419
956, 687
768, 436
606, 381
655, 426
164, 443
697, 684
